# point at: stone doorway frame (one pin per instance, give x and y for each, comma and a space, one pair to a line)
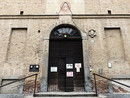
44, 77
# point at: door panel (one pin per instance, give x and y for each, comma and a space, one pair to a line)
69, 80
61, 74
64, 52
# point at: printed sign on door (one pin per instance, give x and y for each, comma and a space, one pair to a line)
69, 66
53, 69
69, 74
78, 66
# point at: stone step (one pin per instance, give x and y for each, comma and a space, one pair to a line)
126, 82
58, 97
31, 96
66, 94
100, 96
119, 95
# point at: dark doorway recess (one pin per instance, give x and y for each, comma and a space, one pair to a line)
65, 51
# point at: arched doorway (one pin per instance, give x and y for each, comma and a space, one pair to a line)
66, 69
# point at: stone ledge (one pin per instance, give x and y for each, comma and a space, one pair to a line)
74, 16
119, 95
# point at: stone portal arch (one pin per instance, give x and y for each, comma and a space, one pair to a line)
44, 79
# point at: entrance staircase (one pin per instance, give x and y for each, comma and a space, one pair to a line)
96, 94
65, 95
54, 95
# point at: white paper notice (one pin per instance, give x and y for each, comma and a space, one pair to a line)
78, 66
53, 69
69, 66
69, 74
77, 69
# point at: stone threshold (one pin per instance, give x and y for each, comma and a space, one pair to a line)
65, 94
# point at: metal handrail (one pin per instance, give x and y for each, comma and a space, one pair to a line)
107, 79
24, 79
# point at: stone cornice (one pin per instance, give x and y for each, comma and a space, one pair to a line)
29, 16
74, 16
100, 16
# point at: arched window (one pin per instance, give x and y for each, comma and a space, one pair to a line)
65, 31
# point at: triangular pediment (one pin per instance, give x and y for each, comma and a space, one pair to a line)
65, 8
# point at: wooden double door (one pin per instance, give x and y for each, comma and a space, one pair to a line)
66, 70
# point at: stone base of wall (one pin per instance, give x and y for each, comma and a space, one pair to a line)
11, 96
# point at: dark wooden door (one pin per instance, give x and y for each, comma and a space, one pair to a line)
69, 79
64, 52
61, 74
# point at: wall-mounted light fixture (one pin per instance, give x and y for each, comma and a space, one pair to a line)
90, 68
100, 71
89, 77
92, 33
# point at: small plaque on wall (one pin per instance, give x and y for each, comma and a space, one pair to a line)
53, 69
109, 65
34, 68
